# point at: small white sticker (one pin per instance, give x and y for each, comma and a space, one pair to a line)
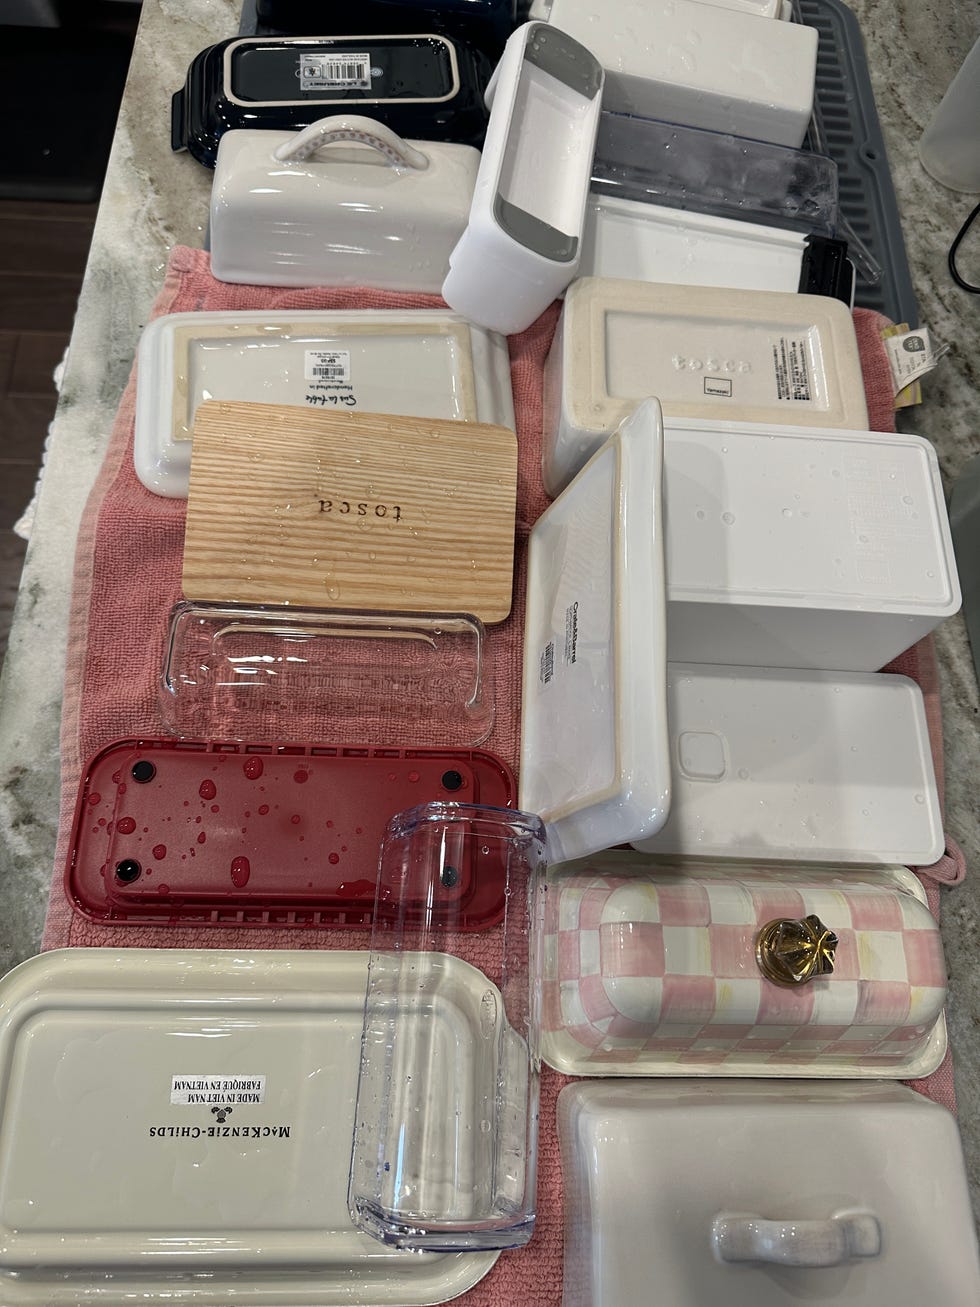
792, 369
222, 1091
344, 72
911, 356
331, 365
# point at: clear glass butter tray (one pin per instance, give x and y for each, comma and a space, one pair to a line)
235, 672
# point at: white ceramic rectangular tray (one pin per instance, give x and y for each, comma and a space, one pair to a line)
420, 363
193, 1111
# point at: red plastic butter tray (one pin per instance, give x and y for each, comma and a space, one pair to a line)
219, 834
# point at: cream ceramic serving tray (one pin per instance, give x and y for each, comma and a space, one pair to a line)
191, 1111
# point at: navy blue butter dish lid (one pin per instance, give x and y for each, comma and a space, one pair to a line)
425, 87
483, 23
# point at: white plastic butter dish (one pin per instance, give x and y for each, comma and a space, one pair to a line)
800, 766
752, 356
421, 363
176, 1124
763, 1195
711, 67
522, 243
594, 753
802, 547
662, 968
344, 202
650, 242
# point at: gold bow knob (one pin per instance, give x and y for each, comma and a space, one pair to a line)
792, 952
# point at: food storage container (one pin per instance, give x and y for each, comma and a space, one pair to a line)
445, 1146
659, 967
763, 1195
426, 363
651, 242
750, 356
216, 833
344, 202
522, 244
177, 1124
423, 85
239, 673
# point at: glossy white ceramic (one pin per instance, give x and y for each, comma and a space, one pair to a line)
750, 356
650, 969
176, 1126
345, 202
422, 363
523, 240
660, 1179
594, 750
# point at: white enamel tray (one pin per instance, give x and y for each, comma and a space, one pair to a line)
423, 363
192, 1111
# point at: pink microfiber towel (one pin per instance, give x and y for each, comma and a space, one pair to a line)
127, 578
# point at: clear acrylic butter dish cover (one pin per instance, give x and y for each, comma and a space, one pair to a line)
423, 363
659, 967
175, 1128
241, 673
445, 1146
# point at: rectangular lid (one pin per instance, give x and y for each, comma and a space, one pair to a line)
193, 1111
594, 759
791, 515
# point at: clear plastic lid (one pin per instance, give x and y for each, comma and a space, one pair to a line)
712, 172
253, 673
445, 1143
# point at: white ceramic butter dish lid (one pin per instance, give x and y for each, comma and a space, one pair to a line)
705, 352
655, 967
422, 363
763, 1195
594, 755
193, 1111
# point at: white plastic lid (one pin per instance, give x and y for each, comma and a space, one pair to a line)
190, 1112
594, 755
663, 1182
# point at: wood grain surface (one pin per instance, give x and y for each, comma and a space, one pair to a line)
350, 510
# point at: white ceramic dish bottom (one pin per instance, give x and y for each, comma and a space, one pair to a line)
109, 1161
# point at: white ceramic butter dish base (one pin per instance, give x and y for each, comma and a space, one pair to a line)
750, 356
663, 1181
193, 1111
424, 363
773, 763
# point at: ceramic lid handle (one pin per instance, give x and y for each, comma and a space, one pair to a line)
343, 127
845, 1236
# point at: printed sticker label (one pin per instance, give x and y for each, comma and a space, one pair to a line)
792, 369
327, 365
192, 1090
344, 72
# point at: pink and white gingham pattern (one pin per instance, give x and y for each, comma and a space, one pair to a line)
663, 960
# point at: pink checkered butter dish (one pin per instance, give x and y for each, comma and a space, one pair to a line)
725, 969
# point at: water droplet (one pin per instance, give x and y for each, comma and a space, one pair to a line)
413, 776
333, 858
240, 872
301, 777
920, 798
728, 518
94, 799
295, 819
263, 809
253, 768
125, 825
201, 838
207, 790
159, 852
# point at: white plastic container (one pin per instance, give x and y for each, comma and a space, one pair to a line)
594, 757
950, 146
800, 766
751, 356
763, 1195
802, 547
648, 242
711, 67
344, 202
522, 244
422, 363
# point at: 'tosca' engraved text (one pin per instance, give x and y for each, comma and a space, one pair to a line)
346, 507
219, 1131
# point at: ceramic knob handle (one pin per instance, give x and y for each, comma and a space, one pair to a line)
352, 127
792, 952
843, 1237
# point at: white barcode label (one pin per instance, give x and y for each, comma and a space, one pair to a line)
344, 72
792, 368
327, 365
546, 663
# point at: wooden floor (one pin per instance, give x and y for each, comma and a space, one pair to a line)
43, 248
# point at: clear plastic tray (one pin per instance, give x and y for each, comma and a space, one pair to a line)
712, 172
235, 672
445, 1142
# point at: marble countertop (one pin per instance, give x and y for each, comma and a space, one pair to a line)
154, 199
